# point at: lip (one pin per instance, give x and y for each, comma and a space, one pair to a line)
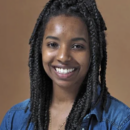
64, 76
64, 67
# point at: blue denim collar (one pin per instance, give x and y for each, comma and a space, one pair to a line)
97, 111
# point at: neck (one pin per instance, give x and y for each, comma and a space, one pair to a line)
63, 96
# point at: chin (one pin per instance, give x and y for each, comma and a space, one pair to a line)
66, 85
63, 84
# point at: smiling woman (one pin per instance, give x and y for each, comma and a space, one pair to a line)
65, 51
67, 64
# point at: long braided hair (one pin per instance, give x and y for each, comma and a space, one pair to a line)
41, 84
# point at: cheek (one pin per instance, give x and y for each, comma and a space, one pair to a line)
84, 61
47, 58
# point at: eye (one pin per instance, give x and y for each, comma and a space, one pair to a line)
77, 46
52, 45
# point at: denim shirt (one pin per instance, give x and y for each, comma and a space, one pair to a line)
116, 117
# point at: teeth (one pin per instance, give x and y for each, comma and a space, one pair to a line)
64, 71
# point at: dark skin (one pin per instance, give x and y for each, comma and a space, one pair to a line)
65, 46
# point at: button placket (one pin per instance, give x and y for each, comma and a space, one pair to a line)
85, 123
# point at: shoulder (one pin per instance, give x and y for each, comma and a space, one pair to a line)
20, 106
117, 114
16, 116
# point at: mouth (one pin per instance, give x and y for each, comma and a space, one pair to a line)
64, 73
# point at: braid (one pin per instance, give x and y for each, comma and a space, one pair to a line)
103, 72
103, 53
39, 20
94, 58
36, 80
41, 84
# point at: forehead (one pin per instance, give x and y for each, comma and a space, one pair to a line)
66, 24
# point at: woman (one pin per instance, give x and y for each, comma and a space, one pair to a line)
67, 64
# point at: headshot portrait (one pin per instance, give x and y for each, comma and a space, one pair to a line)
68, 65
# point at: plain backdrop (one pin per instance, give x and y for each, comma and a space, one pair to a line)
17, 19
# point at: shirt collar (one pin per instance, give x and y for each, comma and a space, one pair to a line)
97, 111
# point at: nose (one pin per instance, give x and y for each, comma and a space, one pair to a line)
64, 55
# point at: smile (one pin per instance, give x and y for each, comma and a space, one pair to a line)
64, 71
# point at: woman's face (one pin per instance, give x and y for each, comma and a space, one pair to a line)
65, 51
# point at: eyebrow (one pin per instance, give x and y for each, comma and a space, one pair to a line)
79, 39
73, 39
52, 37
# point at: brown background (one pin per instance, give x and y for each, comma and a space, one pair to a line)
17, 19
